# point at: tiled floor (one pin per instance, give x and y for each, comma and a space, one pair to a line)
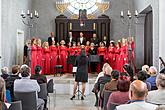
63, 102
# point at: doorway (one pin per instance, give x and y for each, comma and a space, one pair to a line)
20, 47
148, 39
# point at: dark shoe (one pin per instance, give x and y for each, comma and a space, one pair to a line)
82, 98
72, 97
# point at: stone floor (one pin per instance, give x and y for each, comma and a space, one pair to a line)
61, 101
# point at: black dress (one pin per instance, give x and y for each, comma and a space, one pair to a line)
82, 69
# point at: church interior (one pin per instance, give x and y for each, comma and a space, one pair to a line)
90, 54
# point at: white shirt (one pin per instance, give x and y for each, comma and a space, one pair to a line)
99, 75
52, 38
70, 39
81, 40
142, 105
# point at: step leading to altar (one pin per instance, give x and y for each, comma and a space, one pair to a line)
64, 84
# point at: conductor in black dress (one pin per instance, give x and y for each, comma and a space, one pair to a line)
82, 73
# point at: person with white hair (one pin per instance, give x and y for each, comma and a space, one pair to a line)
4, 72
157, 96
152, 78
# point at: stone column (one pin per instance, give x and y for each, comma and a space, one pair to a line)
162, 29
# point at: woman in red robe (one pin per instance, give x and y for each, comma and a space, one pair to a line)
39, 53
78, 48
118, 64
54, 57
63, 55
33, 54
124, 53
87, 47
102, 52
111, 54
46, 58
73, 51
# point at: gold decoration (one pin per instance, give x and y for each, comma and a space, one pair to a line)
74, 16
70, 26
62, 6
102, 6
91, 16
94, 26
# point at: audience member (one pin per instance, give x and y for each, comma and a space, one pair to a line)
112, 85
161, 107
101, 74
129, 70
2, 94
37, 76
142, 75
10, 80
25, 84
157, 96
4, 72
146, 68
152, 78
137, 94
121, 96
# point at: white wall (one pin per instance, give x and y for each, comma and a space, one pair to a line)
140, 5
11, 21
0, 34
162, 28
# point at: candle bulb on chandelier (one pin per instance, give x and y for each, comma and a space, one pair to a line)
35, 13
128, 14
28, 12
22, 13
136, 13
31, 15
122, 14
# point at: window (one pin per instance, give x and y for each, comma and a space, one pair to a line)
76, 5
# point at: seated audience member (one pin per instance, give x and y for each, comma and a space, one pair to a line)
146, 68
101, 74
129, 70
121, 96
137, 94
25, 84
142, 75
112, 85
161, 107
2, 94
40, 78
152, 78
4, 72
157, 96
37, 76
10, 80
104, 79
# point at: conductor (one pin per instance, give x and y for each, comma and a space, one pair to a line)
82, 73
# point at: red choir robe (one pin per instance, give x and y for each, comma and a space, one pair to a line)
73, 51
86, 49
39, 57
133, 50
102, 52
124, 55
63, 55
111, 56
78, 51
118, 63
33, 58
46, 60
54, 58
